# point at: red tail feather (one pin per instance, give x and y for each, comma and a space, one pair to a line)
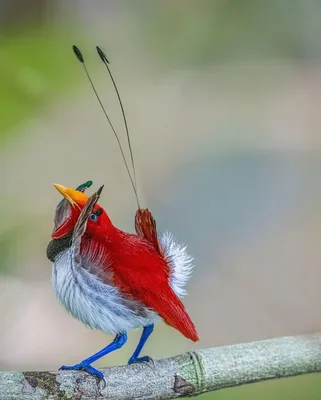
174, 314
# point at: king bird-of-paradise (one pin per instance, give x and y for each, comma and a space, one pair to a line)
111, 280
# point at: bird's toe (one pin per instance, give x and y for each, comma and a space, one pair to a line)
140, 360
76, 367
83, 367
93, 371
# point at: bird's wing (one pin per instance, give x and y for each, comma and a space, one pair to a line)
145, 226
146, 280
81, 224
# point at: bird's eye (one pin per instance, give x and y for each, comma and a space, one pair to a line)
93, 217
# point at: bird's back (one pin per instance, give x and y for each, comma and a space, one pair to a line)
157, 279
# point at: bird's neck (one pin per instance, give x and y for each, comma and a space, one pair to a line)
58, 246
107, 237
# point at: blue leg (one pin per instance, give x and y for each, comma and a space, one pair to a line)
145, 335
84, 365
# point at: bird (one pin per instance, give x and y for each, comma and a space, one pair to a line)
111, 280
115, 281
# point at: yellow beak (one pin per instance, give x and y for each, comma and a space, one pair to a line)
74, 197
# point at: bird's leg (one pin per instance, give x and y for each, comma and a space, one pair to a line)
84, 365
145, 335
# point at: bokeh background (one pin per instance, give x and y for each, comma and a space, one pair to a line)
223, 100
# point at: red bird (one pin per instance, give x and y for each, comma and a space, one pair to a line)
115, 281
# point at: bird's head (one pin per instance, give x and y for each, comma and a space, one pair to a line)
69, 209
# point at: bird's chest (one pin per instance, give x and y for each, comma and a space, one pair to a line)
71, 287
97, 304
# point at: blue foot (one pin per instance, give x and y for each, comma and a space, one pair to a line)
81, 367
133, 360
85, 365
147, 331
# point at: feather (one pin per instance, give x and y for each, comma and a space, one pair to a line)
81, 225
145, 226
180, 262
143, 274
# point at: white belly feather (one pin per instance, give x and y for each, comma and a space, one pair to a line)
101, 306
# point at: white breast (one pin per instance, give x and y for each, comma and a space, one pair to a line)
96, 304
101, 306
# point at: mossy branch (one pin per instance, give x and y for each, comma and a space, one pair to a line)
187, 374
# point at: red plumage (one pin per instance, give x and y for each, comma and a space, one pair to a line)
136, 264
133, 259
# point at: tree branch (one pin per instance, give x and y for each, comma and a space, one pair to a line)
187, 374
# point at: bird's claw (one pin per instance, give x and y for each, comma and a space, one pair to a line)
140, 360
83, 367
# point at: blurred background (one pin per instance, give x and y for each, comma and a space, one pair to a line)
223, 101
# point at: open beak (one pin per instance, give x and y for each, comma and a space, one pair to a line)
75, 198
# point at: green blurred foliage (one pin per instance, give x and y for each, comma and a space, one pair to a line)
11, 242
199, 32
36, 65
307, 387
